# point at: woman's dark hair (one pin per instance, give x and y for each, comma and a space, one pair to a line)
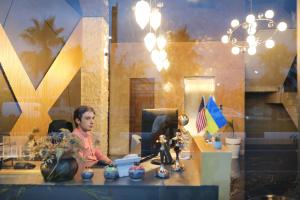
80, 111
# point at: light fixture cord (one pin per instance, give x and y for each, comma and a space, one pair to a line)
158, 30
150, 16
251, 6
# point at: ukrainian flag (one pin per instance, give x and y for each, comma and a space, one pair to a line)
214, 117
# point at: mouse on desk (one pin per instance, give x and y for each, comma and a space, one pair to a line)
24, 165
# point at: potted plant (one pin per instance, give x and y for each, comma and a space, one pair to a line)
233, 142
58, 153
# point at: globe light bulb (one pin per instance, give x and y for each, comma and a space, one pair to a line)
159, 66
235, 23
253, 44
225, 39
251, 51
162, 55
161, 42
235, 50
142, 13
270, 44
251, 39
150, 41
155, 19
155, 56
282, 26
166, 64
250, 18
269, 14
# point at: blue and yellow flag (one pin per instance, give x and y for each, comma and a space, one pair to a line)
214, 117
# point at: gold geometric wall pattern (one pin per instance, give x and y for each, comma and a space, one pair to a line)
35, 103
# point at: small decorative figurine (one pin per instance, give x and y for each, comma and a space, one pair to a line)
178, 167
87, 174
111, 172
136, 172
162, 172
217, 142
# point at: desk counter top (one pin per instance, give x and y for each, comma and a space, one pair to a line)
29, 185
204, 147
34, 177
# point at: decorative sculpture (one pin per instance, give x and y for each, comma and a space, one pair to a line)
179, 144
162, 172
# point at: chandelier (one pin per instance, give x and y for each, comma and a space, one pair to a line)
155, 43
250, 26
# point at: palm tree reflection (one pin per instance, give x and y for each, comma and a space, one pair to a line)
45, 39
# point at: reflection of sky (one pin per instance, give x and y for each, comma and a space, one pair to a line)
4, 7
21, 13
203, 18
67, 14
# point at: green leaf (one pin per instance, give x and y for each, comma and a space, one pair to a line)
59, 153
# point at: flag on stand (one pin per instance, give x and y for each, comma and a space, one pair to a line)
201, 118
214, 116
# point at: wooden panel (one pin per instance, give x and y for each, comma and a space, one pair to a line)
35, 104
141, 96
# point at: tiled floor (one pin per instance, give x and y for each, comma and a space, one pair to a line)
266, 170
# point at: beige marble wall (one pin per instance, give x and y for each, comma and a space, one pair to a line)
132, 60
94, 74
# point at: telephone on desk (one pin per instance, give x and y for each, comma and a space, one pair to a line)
128, 159
123, 164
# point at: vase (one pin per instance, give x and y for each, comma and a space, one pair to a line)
136, 172
217, 144
233, 144
54, 171
111, 172
87, 174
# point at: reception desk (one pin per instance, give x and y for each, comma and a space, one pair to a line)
206, 176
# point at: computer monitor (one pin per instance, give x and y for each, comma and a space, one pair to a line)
155, 122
